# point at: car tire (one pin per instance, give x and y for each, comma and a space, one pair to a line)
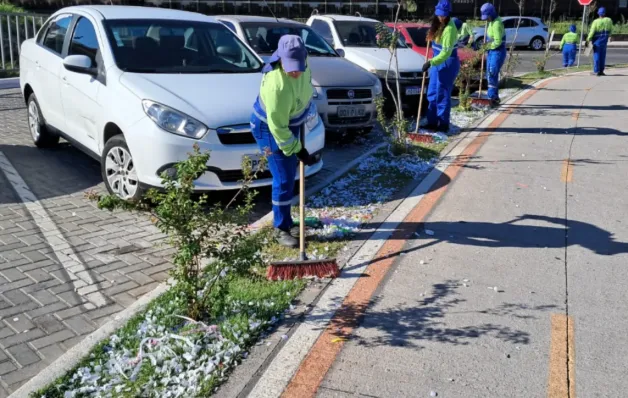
537, 43
478, 43
40, 133
118, 170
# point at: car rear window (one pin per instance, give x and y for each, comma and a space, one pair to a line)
175, 46
264, 38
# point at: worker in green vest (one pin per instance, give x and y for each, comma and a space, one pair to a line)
568, 46
598, 34
465, 34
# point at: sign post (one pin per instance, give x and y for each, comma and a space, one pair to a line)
585, 3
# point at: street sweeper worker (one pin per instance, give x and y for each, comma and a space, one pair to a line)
568, 45
444, 67
279, 113
598, 34
496, 42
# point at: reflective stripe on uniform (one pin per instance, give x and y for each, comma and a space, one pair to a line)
282, 203
260, 111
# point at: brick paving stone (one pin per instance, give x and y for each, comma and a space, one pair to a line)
12, 274
49, 323
48, 309
56, 337
6, 367
19, 338
80, 325
20, 325
24, 354
17, 297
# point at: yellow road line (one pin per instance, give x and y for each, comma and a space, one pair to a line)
562, 363
566, 173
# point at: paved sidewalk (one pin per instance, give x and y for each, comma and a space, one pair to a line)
512, 281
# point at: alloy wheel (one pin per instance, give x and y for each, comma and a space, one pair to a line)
33, 120
537, 44
121, 173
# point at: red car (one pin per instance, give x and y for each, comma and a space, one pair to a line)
415, 34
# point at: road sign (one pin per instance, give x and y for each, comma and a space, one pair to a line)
585, 2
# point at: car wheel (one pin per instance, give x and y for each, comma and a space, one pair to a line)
478, 43
118, 170
42, 137
537, 43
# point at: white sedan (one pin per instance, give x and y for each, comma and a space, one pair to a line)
137, 87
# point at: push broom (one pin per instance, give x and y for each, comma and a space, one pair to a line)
479, 101
303, 267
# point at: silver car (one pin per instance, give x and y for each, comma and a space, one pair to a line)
532, 32
344, 93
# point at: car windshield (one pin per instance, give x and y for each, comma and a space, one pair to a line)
264, 38
360, 33
174, 46
418, 36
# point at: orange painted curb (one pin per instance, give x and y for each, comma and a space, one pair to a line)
316, 364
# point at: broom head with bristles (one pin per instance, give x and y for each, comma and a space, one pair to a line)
283, 270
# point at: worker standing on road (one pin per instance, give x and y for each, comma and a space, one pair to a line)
496, 47
569, 47
444, 67
278, 116
598, 34
466, 36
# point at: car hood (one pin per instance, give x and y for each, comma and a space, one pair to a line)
216, 100
377, 58
336, 71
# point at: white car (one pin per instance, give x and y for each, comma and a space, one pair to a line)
355, 39
532, 32
137, 87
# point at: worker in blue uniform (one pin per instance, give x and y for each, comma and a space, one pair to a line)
444, 67
598, 34
279, 114
569, 47
496, 47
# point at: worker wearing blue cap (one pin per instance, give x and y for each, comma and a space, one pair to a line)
496, 42
568, 45
598, 34
444, 67
278, 116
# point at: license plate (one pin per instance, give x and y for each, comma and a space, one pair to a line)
351, 111
413, 90
255, 160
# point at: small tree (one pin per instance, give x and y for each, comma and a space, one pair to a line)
463, 81
389, 39
210, 241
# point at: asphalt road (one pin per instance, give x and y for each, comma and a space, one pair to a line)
526, 57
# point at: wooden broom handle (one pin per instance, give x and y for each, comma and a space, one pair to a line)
418, 116
482, 64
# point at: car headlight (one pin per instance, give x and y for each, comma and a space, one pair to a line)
317, 92
312, 119
377, 88
382, 73
173, 121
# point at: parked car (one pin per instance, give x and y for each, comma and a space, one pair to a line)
355, 39
415, 37
532, 32
344, 93
137, 87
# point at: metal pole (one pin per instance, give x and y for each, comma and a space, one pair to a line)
10, 41
2, 44
581, 34
26, 28
17, 30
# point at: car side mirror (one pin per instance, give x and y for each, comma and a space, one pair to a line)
340, 52
79, 64
410, 45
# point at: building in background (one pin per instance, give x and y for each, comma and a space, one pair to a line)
380, 9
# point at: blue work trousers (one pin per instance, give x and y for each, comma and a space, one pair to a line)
569, 54
494, 62
442, 79
283, 169
599, 54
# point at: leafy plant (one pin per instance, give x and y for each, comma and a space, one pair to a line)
463, 81
541, 61
210, 241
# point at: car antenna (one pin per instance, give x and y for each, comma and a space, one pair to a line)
314, 12
271, 11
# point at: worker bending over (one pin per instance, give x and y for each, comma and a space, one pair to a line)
278, 116
569, 47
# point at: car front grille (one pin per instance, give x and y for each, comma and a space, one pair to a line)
235, 135
236, 175
410, 75
348, 94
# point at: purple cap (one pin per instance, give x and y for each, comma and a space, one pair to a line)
292, 52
